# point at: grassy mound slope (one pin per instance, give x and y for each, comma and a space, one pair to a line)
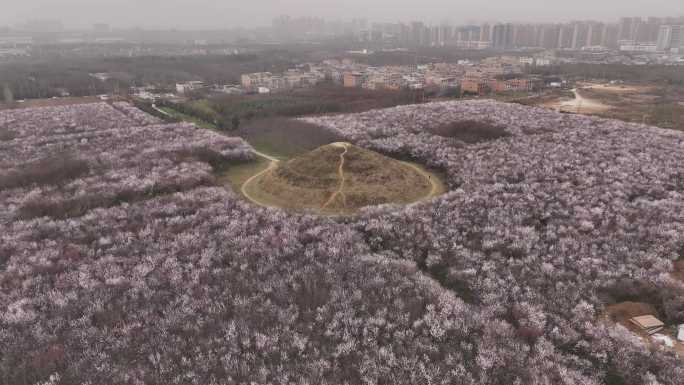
341, 178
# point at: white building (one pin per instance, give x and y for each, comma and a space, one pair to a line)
101, 76
228, 89
186, 87
639, 47
527, 61
680, 336
669, 37
255, 80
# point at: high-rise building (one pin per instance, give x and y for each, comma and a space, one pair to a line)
595, 34
525, 35
446, 34
548, 36
486, 32
669, 37
628, 28
610, 36
419, 33
579, 31
647, 31
565, 36
502, 36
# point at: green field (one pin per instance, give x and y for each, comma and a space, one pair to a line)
187, 118
237, 174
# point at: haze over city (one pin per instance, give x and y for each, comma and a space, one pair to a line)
199, 14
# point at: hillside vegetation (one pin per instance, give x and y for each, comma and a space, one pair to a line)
341, 178
139, 267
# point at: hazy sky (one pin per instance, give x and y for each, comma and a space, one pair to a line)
248, 13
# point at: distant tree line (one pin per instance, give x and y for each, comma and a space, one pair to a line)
673, 75
229, 112
42, 78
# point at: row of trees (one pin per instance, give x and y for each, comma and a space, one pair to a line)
229, 112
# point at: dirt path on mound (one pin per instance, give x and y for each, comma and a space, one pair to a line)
272, 166
436, 189
340, 175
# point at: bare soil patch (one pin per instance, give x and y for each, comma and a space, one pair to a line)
615, 88
622, 312
679, 270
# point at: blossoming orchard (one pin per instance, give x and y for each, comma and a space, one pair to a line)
124, 261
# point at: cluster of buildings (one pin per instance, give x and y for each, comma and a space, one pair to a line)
504, 74
440, 75
300, 77
15, 46
491, 75
653, 34
496, 74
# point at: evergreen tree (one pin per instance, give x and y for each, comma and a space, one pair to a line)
8, 97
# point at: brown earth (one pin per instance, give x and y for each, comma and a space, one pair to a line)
679, 270
622, 312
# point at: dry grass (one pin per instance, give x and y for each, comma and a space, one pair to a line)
615, 88
679, 270
236, 174
313, 181
622, 312
655, 105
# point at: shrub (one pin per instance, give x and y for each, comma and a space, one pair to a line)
7, 135
287, 136
470, 131
56, 169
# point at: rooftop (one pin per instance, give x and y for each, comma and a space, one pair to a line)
647, 322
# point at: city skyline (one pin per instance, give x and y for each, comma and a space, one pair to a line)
205, 14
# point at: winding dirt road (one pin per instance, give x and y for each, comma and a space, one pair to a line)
271, 166
580, 104
436, 189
